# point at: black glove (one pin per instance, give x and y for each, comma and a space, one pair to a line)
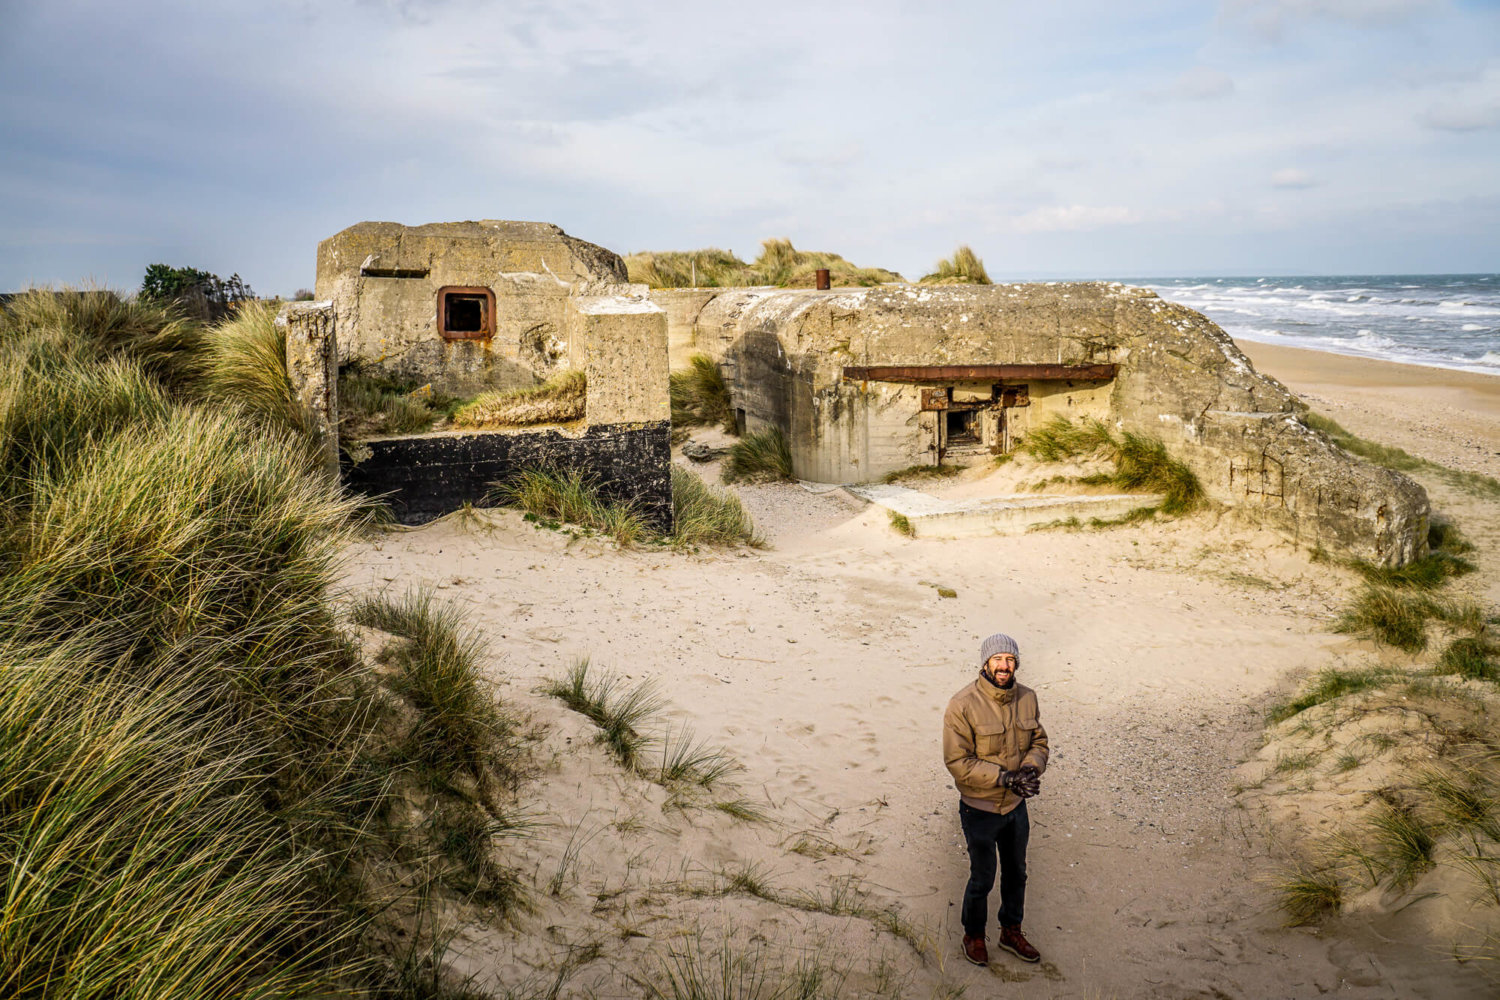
1024, 782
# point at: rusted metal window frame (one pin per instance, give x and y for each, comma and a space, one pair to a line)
487, 325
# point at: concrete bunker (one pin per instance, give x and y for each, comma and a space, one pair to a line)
469, 308
868, 381
984, 409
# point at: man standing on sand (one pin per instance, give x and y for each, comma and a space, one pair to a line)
996, 750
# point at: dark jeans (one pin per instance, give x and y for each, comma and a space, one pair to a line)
987, 835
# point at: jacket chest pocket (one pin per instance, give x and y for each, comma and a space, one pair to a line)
1024, 733
989, 741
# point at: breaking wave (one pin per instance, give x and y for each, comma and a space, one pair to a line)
1433, 320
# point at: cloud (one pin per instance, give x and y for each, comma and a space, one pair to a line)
1196, 84
1271, 19
1291, 177
1074, 218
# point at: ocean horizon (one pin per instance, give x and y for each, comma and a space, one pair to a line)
1434, 320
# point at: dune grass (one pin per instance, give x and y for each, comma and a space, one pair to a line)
1446, 548
96, 324
1399, 617
688, 760
619, 714
762, 456
782, 264
558, 400
700, 395
1060, 439
244, 365
1141, 464
1327, 686
1306, 895
198, 770
703, 515
901, 524
372, 403
694, 970
922, 472
1400, 460
460, 726
626, 717
1475, 658
573, 497
779, 263
963, 268
707, 268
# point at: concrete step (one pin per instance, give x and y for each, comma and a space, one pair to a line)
935, 517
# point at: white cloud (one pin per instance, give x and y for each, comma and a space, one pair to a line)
1291, 177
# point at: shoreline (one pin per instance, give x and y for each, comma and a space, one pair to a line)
1451, 417
1331, 368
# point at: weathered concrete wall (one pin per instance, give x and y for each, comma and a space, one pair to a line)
384, 280
620, 342
1179, 378
427, 475
682, 306
312, 368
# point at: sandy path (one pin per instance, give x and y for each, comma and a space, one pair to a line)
824, 664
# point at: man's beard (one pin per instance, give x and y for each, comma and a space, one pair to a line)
991, 678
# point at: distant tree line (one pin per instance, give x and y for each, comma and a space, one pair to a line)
198, 293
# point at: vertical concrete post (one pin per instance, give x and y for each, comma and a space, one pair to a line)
312, 367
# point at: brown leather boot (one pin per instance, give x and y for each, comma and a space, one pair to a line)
1013, 941
975, 951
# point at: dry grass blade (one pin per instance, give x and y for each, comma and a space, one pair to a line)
558, 400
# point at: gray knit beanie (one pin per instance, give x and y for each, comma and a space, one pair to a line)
997, 643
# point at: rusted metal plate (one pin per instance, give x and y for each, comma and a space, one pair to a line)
978, 373
935, 399
1015, 396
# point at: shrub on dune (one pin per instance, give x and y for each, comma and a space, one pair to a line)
963, 268
104, 324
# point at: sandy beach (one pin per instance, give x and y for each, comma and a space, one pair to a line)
822, 665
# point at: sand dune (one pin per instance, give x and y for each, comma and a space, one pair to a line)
823, 664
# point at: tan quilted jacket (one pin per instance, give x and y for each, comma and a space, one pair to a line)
987, 729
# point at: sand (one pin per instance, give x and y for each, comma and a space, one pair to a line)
823, 663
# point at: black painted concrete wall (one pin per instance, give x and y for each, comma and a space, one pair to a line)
426, 476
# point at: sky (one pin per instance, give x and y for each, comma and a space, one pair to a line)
1060, 139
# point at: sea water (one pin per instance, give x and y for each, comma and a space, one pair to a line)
1439, 320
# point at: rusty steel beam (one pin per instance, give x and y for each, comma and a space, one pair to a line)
977, 373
